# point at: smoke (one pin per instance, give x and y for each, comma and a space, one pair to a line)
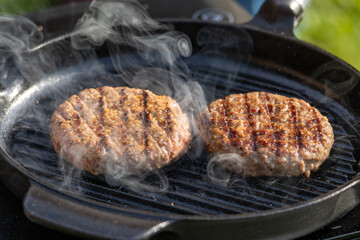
338, 83
13, 42
336, 78
144, 53
147, 55
331, 85
216, 168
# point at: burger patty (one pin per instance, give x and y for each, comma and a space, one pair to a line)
271, 135
119, 130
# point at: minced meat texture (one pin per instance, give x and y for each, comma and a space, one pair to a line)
119, 129
270, 134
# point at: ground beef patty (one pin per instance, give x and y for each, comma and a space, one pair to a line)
119, 130
273, 135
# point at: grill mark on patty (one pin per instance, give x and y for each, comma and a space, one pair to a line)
167, 117
295, 130
82, 117
278, 134
125, 118
318, 134
76, 119
254, 134
146, 122
122, 96
269, 111
101, 143
64, 121
253, 137
100, 127
289, 131
168, 128
227, 121
235, 140
155, 128
126, 136
147, 133
117, 133
147, 125
299, 136
102, 111
223, 123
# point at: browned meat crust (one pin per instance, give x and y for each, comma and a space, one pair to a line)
119, 130
272, 135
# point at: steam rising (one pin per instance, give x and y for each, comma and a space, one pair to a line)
336, 78
145, 54
216, 168
13, 42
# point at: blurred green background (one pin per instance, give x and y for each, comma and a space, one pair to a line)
20, 6
333, 25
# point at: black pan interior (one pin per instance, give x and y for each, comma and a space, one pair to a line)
190, 191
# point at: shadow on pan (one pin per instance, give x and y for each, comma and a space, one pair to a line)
192, 207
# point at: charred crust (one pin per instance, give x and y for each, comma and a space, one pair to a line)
286, 135
102, 121
146, 122
226, 121
253, 135
295, 130
167, 117
269, 111
122, 97
318, 130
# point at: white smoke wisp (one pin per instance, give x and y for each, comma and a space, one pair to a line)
126, 24
148, 55
99, 21
216, 168
144, 53
337, 78
17, 35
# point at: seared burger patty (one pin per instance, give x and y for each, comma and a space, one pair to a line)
272, 135
128, 130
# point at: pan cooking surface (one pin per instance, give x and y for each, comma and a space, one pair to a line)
190, 192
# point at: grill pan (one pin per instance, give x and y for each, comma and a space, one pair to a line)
193, 207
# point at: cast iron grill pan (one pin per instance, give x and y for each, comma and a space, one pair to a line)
193, 207
190, 191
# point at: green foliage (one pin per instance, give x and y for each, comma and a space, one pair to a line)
333, 25
20, 6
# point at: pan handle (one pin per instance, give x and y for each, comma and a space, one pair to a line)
280, 16
63, 213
